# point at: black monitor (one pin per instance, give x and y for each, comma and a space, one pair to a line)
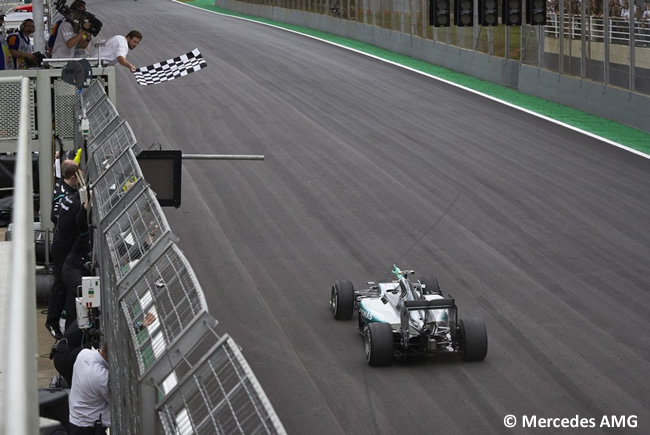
162, 170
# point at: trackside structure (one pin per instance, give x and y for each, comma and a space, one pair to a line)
176, 375
573, 56
172, 375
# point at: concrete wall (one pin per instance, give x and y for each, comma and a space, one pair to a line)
608, 102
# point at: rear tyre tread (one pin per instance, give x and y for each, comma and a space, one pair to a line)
379, 344
342, 300
474, 337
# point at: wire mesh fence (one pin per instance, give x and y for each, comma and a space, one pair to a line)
174, 372
10, 111
220, 396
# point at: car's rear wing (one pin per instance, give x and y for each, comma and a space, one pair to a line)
435, 304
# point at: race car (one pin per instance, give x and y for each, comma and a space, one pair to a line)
400, 319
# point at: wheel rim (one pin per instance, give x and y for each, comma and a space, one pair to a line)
333, 300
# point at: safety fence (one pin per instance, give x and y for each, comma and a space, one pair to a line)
170, 371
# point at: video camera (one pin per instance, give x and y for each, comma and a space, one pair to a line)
77, 18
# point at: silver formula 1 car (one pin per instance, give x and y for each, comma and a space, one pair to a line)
400, 319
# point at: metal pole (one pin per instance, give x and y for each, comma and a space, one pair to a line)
632, 43
561, 45
606, 35
221, 157
583, 39
20, 410
44, 119
38, 13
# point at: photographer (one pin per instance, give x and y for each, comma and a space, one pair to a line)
67, 37
89, 400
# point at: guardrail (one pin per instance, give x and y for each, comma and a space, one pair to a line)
177, 375
596, 29
20, 399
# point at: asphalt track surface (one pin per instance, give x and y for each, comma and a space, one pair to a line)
537, 229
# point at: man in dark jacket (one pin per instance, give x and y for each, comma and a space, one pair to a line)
77, 263
65, 234
64, 186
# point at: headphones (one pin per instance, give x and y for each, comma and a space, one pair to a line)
22, 25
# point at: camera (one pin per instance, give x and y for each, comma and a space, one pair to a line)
77, 18
38, 59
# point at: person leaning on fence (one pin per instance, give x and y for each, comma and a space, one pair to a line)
596, 9
116, 49
90, 397
65, 234
64, 186
614, 9
78, 262
625, 11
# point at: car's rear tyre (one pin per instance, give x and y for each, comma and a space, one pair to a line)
474, 339
342, 300
431, 286
379, 344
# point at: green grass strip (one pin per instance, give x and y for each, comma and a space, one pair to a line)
609, 129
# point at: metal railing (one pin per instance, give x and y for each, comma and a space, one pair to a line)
167, 370
596, 29
20, 398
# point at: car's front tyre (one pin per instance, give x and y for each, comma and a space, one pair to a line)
379, 344
342, 300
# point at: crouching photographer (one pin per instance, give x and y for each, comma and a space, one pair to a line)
77, 28
90, 397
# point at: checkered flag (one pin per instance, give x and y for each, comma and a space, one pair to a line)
170, 69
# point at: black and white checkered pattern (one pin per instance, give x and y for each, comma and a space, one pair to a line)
170, 69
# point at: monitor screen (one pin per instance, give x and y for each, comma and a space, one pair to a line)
162, 170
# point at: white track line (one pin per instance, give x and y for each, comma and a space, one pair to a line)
530, 112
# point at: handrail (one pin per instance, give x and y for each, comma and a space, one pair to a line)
20, 398
619, 31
